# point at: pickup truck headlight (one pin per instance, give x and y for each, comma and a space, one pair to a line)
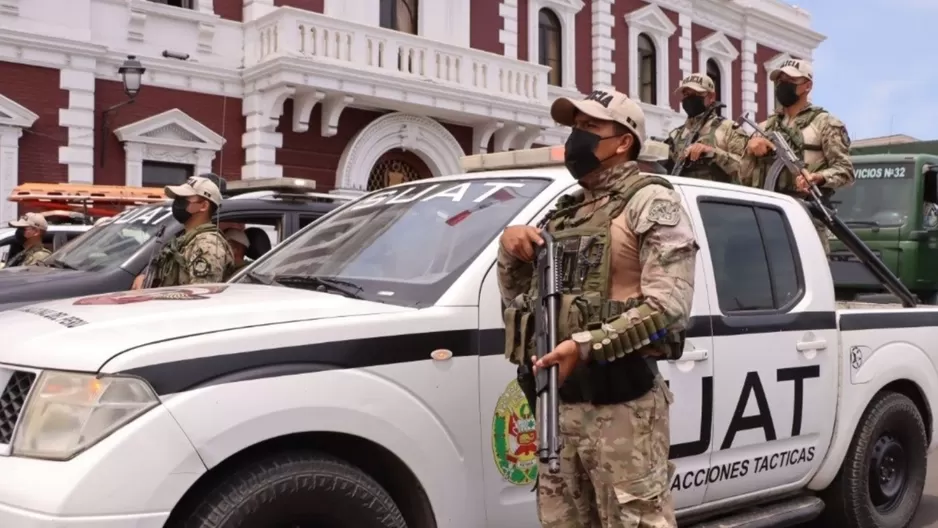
69, 412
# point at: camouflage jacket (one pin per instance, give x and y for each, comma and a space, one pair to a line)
200, 256
818, 137
30, 257
728, 142
667, 246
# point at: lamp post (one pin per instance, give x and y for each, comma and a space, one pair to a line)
131, 72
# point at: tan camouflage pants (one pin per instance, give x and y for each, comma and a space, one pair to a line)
614, 468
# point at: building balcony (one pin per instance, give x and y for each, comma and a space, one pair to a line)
292, 53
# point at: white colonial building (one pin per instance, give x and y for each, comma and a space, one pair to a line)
350, 93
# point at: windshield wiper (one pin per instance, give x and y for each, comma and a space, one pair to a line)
870, 223
258, 278
56, 263
349, 289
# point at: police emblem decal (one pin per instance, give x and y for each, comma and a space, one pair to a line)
514, 437
187, 293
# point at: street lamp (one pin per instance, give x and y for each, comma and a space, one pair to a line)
131, 72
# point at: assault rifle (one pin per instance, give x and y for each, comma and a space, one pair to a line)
157, 246
694, 137
545, 331
817, 206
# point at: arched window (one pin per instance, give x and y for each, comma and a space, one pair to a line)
550, 45
399, 15
647, 70
713, 71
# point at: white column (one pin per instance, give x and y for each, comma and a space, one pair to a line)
748, 85
78, 79
204, 163
685, 41
9, 170
603, 44
508, 35
133, 164
260, 141
254, 9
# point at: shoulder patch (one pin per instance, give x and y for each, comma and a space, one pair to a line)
200, 267
664, 212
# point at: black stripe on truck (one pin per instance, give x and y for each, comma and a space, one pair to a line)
187, 374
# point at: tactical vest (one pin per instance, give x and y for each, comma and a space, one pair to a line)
171, 262
700, 169
794, 135
26, 255
585, 304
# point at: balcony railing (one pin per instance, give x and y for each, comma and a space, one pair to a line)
289, 32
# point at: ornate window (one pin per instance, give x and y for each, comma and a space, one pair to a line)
649, 33
172, 137
14, 118
399, 15
713, 71
718, 49
550, 45
647, 70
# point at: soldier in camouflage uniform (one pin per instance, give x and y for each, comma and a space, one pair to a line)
30, 229
201, 254
715, 155
814, 134
638, 252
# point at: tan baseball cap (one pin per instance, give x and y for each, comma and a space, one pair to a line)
195, 186
794, 68
698, 82
607, 105
35, 220
236, 235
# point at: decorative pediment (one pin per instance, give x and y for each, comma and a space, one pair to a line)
718, 45
651, 19
173, 128
776, 61
572, 6
15, 114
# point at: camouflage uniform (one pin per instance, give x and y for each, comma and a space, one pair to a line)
723, 135
199, 256
818, 137
30, 256
37, 253
614, 467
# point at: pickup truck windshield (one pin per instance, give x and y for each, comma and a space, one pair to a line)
882, 195
111, 243
405, 245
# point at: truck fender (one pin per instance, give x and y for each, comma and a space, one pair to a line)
888, 364
352, 401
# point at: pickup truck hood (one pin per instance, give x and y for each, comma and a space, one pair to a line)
82, 333
29, 275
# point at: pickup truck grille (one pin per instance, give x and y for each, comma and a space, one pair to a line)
12, 399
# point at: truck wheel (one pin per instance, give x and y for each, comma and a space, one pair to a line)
297, 490
881, 481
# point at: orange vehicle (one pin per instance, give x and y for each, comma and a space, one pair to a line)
93, 201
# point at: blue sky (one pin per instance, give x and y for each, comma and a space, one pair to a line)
873, 70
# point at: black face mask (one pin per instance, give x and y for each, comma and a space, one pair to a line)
786, 93
580, 152
179, 210
694, 105
19, 236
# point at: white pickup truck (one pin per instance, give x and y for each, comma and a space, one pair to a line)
354, 377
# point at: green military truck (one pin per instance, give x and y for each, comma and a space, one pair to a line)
893, 207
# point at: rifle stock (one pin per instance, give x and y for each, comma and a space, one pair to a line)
785, 158
546, 339
679, 166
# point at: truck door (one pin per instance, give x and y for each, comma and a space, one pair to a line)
508, 431
775, 343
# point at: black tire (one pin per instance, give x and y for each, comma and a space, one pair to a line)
297, 490
892, 446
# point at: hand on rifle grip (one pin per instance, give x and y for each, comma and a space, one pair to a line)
520, 241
